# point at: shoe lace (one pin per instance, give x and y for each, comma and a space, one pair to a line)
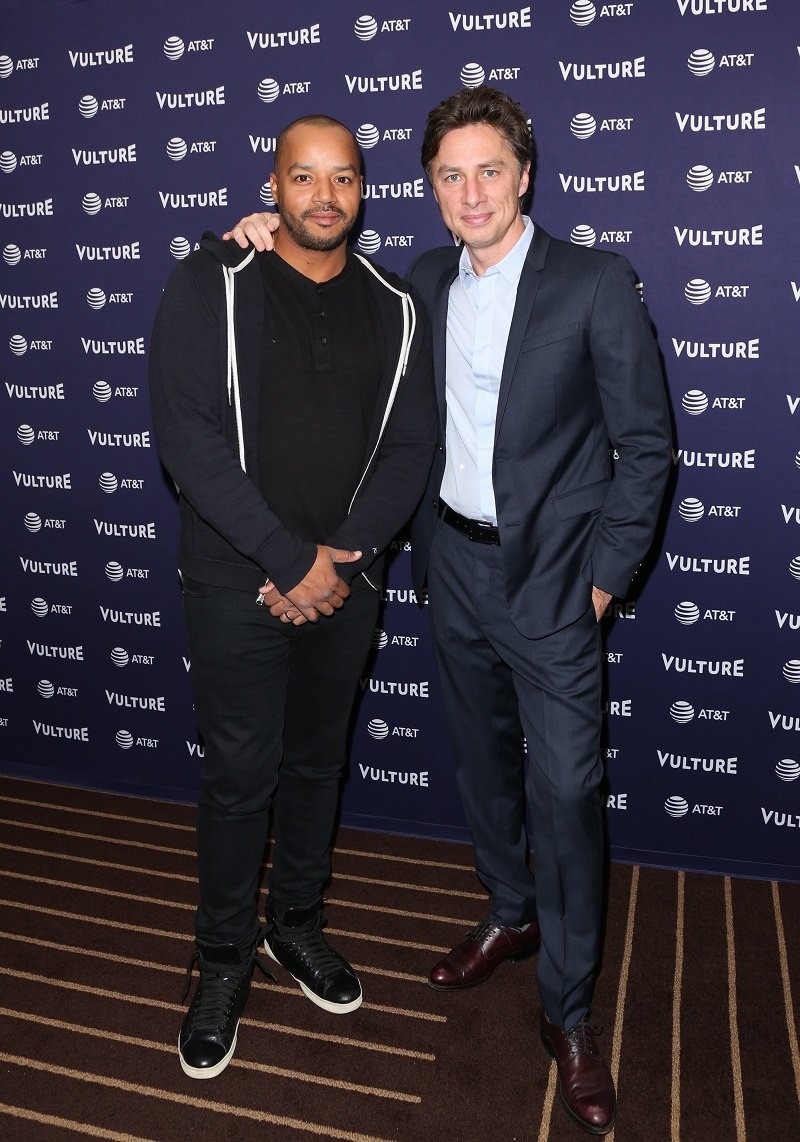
582, 1037
480, 930
216, 990
314, 951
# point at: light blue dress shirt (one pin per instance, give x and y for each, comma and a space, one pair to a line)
479, 315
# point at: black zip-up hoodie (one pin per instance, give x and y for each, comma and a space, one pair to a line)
205, 373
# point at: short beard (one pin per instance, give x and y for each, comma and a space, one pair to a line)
296, 228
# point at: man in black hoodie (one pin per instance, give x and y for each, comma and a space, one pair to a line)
293, 404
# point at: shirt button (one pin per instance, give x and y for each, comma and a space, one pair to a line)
323, 340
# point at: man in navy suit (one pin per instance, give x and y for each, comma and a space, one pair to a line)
544, 360
544, 363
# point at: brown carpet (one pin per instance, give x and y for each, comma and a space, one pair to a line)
699, 994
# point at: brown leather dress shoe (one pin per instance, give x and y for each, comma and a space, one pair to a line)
585, 1085
475, 958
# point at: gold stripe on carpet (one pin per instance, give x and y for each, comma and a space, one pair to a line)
733, 1020
95, 815
791, 1026
125, 841
249, 1112
162, 1005
677, 989
248, 1064
68, 1124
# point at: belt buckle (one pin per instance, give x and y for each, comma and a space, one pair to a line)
481, 532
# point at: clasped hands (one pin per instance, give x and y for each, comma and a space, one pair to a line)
321, 591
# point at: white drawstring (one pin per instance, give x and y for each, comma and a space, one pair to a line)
232, 371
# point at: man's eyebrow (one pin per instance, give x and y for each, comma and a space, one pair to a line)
313, 166
493, 163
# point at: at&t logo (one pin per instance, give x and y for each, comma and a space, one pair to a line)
584, 12
701, 178
695, 402
8, 66
677, 806
174, 46
366, 27
379, 730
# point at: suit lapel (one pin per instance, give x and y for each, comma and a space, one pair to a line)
523, 309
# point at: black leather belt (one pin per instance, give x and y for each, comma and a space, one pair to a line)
475, 529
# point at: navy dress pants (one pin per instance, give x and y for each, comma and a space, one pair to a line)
273, 705
499, 685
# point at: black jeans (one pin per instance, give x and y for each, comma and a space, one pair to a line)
273, 705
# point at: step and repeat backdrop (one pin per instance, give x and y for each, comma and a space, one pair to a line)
667, 131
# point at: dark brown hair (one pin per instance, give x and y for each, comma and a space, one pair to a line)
314, 121
480, 105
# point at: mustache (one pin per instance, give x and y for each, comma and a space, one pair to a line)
328, 207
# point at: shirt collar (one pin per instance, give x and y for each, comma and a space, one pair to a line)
510, 267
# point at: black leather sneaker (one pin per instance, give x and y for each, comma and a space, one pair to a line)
208, 1036
296, 942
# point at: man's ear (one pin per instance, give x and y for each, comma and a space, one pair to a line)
273, 184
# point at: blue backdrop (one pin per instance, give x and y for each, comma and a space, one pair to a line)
666, 130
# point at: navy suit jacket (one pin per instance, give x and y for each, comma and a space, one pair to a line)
582, 447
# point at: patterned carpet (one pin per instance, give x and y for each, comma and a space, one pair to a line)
699, 995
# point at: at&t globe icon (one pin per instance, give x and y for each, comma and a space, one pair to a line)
583, 235
377, 729
88, 106
676, 806
366, 28
695, 402
697, 291
268, 90
174, 47
583, 125
367, 136
369, 241
177, 149
701, 62
472, 75
681, 712
691, 509
700, 178
582, 13
180, 248
687, 613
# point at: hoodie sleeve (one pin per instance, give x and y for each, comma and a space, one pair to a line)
193, 425
394, 484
